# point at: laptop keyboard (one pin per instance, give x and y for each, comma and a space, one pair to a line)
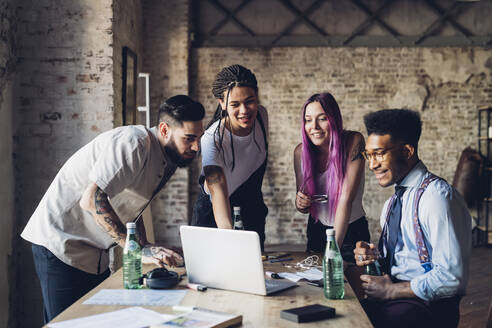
269, 284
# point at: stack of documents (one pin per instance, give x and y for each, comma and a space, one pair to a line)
137, 317
142, 297
134, 317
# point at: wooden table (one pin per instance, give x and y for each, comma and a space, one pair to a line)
257, 311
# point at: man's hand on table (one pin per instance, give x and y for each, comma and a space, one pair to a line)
153, 254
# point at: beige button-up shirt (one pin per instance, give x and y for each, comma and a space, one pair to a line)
127, 163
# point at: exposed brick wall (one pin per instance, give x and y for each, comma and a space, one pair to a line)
446, 85
7, 75
165, 56
64, 99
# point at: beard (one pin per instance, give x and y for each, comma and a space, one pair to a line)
173, 152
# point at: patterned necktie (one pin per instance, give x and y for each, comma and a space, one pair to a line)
393, 232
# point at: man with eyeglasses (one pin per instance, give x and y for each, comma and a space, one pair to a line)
425, 243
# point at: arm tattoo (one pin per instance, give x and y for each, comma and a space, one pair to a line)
141, 233
106, 217
102, 204
357, 151
213, 174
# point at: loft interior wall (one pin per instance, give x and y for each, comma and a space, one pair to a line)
7, 219
166, 57
68, 64
63, 99
445, 85
7, 187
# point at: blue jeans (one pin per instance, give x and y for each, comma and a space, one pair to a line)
61, 284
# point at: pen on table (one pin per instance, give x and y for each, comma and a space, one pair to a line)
273, 275
281, 260
313, 283
185, 308
198, 287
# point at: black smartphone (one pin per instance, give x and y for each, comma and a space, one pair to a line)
308, 313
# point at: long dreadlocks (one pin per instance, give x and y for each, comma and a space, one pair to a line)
228, 78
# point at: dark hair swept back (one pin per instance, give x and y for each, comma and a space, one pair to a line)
180, 108
402, 125
228, 78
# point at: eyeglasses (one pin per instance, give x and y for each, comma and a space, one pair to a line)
379, 155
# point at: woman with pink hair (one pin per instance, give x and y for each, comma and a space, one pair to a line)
329, 171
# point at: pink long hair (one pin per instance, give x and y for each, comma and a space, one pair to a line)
336, 161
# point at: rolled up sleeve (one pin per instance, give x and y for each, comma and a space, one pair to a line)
446, 224
210, 154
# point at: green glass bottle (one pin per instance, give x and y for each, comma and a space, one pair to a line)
238, 222
332, 268
132, 258
373, 269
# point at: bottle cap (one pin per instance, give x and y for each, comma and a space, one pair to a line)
330, 232
237, 210
131, 225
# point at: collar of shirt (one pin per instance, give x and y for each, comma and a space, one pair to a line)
415, 176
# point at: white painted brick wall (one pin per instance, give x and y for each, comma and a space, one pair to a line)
362, 80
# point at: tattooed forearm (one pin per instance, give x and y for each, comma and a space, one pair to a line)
213, 174
101, 202
107, 219
142, 234
357, 150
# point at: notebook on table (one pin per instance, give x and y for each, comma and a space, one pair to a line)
227, 259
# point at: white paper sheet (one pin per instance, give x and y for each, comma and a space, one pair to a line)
311, 274
134, 317
137, 297
290, 276
202, 318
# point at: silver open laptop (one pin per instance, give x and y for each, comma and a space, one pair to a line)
227, 259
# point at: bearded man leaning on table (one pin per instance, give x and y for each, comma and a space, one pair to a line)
103, 185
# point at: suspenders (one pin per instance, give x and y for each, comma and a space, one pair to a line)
425, 260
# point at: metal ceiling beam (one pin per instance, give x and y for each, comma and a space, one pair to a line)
450, 20
229, 14
301, 16
438, 22
228, 17
245, 37
368, 22
368, 11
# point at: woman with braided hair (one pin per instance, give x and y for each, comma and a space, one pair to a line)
234, 155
